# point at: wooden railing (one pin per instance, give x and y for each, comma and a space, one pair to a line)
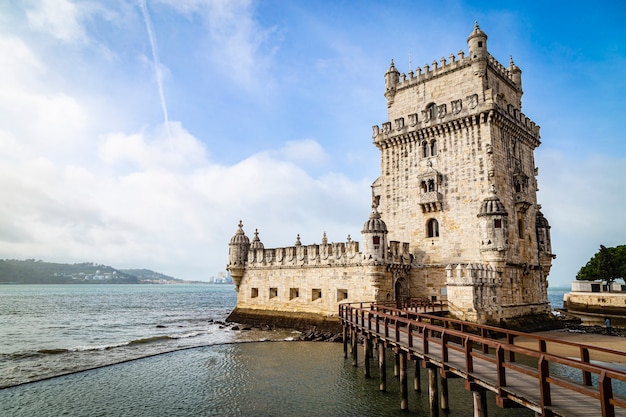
435, 339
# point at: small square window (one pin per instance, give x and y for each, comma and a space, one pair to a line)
294, 293
273, 292
342, 294
497, 223
254, 293
316, 293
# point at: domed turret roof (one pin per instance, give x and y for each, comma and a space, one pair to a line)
492, 205
476, 32
374, 224
256, 242
240, 237
541, 221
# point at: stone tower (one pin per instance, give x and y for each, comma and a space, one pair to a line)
454, 211
458, 183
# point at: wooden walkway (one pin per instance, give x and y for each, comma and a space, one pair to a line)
487, 359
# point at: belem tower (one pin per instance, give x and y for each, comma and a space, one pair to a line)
454, 211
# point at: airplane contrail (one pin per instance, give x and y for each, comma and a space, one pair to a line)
157, 64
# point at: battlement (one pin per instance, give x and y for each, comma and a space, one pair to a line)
325, 254
453, 115
444, 67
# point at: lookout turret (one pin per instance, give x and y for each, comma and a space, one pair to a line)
477, 43
392, 78
237, 255
374, 235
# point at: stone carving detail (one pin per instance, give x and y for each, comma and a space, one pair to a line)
386, 128
472, 101
399, 123
457, 106
375, 131
442, 110
413, 119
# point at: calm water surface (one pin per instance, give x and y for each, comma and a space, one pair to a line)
188, 364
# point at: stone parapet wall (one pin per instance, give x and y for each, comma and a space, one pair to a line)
598, 303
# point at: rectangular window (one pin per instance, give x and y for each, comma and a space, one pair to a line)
316, 293
294, 293
254, 293
273, 292
497, 223
342, 294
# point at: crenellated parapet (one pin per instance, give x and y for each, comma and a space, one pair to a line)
322, 255
452, 116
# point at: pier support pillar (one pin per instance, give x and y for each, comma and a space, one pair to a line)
404, 389
444, 391
480, 403
345, 341
417, 385
396, 364
367, 353
382, 366
355, 350
433, 391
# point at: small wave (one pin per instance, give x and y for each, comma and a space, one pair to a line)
188, 335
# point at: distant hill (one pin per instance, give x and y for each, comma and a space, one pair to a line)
32, 271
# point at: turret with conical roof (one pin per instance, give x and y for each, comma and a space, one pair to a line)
392, 77
238, 254
477, 43
494, 227
374, 236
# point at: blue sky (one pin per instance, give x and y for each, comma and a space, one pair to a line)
138, 134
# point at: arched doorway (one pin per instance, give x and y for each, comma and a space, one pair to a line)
401, 288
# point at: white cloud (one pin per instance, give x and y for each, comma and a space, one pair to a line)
59, 18
161, 150
31, 112
239, 46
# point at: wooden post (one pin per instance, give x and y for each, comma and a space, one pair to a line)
417, 386
382, 365
345, 341
404, 402
396, 363
480, 403
444, 391
433, 392
367, 352
606, 395
355, 350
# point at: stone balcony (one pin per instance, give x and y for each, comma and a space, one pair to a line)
430, 201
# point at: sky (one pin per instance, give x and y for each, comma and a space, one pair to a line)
137, 133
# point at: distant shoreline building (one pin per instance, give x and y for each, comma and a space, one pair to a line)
454, 210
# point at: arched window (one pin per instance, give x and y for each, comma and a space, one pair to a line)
431, 185
432, 228
520, 228
425, 149
423, 187
433, 148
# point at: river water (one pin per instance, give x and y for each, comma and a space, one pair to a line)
144, 350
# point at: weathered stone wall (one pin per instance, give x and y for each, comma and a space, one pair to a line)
305, 289
599, 303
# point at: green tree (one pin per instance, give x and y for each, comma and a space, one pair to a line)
608, 264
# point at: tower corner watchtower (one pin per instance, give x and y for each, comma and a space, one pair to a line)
477, 43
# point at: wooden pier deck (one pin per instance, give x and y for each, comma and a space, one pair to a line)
487, 358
